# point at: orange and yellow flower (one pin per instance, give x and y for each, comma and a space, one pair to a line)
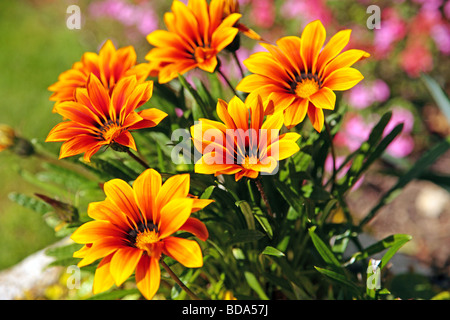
245, 144
7, 137
196, 34
97, 119
134, 226
300, 76
109, 66
232, 6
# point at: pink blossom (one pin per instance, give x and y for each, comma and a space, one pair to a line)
353, 133
141, 16
441, 36
393, 29
416, 59
308, 10
365, 94
401, 146
380, 91
400, 115
263, 13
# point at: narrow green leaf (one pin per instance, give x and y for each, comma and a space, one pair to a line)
247, 213
246, 236
255, 285
394, 248
202, 113
30, 202
324, 251
379, 246
291, 197
340, 278
438, 95
271, 251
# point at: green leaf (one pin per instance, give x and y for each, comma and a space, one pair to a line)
291, 196
246, 236
438, 95
324, 251
63, 251
379, 246
202, 112
247, 213
30, 202
271, 251
255, 285
399, 242
263, 221
340, 278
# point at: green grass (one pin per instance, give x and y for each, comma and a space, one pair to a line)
36, 47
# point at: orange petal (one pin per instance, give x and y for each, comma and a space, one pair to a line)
121, 194
121, 93
146, 188
334, 46
239, 113
222, 113
106, 211
295, 113
103, 279
344, 60
123, 263
66, 130
92, 231
101, 248
77, 145
185, 251
174, 187
343, 79
324, 99
316, 117
253, 82
152, 117
126, 139
291, 48
148, 276
312, 40
98, 94
173, 215
196, 227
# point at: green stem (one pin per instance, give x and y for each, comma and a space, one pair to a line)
333, 153
137, 159
238, 64
227, 81
178, 281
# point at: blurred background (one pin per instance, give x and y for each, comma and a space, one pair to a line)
414, 39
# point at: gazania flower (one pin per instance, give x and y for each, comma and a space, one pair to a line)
134, 226
97, 119
109, 66
196, 34
232, 6
300, 76
244, 144
7, 136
